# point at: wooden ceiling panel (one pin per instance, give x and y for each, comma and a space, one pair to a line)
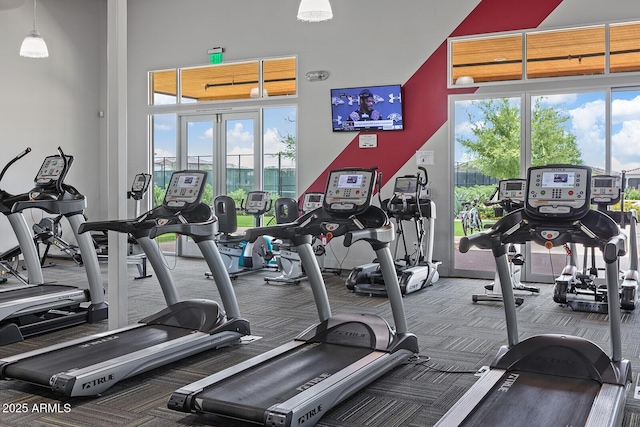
569, 52
625, 48
229, 81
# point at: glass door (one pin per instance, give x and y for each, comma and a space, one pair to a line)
196, 148
567, 128
241, 150
487, 149
227, 146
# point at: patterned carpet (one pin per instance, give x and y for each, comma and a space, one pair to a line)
456, 338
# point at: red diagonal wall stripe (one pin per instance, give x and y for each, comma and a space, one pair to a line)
425, 94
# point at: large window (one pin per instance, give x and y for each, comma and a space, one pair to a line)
585, 51
246, 147
224, 82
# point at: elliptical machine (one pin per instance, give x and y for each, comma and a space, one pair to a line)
43, 308
511, 194
26, 246
411, 201
580, 290
48, 231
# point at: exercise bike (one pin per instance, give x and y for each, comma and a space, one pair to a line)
10, 259
287, 259
511, 195
238, 255
411, 201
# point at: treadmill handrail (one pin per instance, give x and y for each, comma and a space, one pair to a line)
319, 221
594, 229
121, 226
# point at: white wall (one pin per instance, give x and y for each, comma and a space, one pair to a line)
52, 102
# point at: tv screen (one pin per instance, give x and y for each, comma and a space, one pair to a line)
367, 108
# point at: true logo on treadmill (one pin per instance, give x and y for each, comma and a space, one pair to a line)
98, 381
313, 381
508, 383
349, 333
99, 341
312, 413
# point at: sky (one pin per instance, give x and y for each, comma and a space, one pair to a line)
587, 122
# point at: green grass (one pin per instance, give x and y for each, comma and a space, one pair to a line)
170, 237
457, 226
247, 221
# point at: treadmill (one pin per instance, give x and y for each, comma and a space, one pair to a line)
90, 365
33, 310
551, 379
26, 245
300, 381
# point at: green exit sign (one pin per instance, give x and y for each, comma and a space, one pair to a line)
215, 55
215, 58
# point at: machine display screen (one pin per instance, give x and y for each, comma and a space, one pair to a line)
514, 186
315, 198
603, 182
140, 183
407, 185
350, 181
256, 197
558, 179
187, 181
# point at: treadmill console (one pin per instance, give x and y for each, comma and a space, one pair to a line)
185, 189
258, 202
349, 191
312, 201
560, 191
512, 189
605, 189
52, 171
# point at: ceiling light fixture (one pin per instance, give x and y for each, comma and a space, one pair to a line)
314, 10
255, 92
464, 80
33, 45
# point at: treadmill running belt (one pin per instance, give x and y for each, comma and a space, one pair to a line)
33, 291
535, 399
39, 369
248, 394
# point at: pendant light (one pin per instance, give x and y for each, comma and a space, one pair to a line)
33, 45
314, 10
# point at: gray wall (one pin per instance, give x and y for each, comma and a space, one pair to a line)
52, 102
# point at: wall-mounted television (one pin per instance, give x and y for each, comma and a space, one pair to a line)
367, 108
